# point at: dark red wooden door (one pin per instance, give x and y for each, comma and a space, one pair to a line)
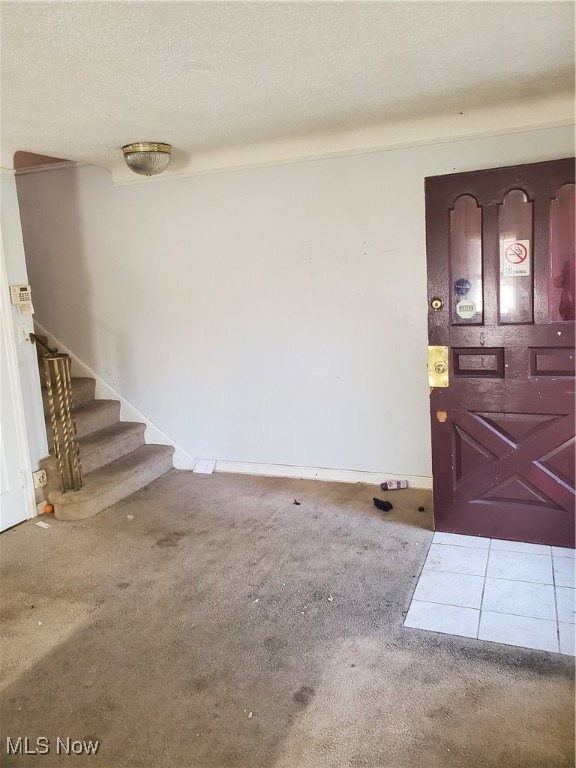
500, 249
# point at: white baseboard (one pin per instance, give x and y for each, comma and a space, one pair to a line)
320, 473
128, 412
183, 460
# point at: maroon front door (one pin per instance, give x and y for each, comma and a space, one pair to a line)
500, 249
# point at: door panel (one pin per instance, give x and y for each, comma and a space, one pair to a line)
500, 249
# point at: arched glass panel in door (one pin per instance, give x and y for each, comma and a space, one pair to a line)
466, 290
561, 284
516, 285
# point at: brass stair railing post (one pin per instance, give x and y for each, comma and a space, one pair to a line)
76, 462
57, 371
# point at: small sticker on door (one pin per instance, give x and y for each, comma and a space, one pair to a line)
462, 287
515, 258
466, 309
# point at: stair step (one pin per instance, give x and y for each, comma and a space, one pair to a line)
113, 482
99, 448
91, 417
82, 393
108, 444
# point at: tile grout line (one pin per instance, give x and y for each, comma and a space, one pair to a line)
499, 549
514, 551
555, 600
520, 552
500, 578
483, 587
503, 549
502, 613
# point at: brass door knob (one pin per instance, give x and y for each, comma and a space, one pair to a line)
440, 366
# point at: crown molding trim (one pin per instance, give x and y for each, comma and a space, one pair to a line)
529, 117
119, 180
48, 167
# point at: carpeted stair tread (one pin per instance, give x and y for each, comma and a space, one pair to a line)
113, 482
83, 389
112, 442
91, 417
100, 448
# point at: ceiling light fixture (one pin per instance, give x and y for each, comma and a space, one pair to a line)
147, 157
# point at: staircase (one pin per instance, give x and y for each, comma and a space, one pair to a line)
115, 460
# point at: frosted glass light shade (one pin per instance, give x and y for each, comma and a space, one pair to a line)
147, 157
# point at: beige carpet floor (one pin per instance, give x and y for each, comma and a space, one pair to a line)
211, 622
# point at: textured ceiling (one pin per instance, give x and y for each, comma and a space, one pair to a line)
80, 79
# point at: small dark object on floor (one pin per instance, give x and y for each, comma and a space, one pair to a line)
385, 506
296, 502
420, 509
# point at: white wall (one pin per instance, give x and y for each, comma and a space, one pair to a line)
27, 375
273, 315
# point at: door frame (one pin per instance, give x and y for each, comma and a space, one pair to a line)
6, 317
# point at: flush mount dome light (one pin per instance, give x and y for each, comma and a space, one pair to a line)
147, 157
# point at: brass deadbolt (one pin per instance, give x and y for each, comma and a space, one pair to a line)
438, 367
436, 304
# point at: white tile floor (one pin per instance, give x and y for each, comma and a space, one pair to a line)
505, 591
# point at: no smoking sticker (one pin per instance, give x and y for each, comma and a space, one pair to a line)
515, 258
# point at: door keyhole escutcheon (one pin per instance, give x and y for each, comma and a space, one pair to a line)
440, 366
436, 304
